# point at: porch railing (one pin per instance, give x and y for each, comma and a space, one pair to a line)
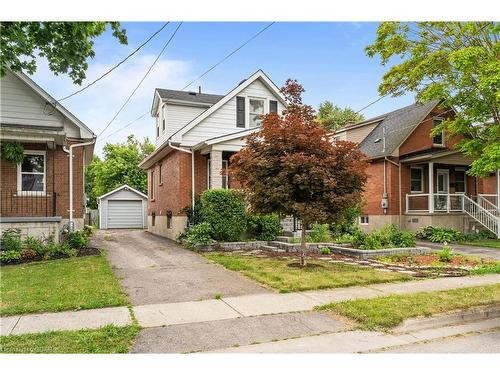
442, 202
27, 203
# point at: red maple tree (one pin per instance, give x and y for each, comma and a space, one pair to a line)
292, 168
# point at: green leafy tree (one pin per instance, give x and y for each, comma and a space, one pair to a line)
332, 117
65, 45
458, 63
290, 167
119, 166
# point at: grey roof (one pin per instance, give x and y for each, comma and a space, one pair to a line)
189, 96
398, 124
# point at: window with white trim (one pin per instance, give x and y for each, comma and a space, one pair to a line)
31, 172
364, 220
438, 139
416, 180
256, 110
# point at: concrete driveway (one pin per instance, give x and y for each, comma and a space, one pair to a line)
153, 269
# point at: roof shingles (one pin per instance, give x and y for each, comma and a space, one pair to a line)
189, 96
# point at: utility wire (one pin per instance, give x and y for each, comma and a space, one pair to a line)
141, 81
116, 66
201, 75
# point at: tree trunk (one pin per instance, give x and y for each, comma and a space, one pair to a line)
303, 247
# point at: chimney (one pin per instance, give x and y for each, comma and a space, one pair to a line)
199, 89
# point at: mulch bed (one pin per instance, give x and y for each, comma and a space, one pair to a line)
83, 252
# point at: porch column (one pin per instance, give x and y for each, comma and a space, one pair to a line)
431, 187
215, 169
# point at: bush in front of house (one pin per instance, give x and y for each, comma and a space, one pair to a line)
264, 227
14, 249
320, 233
387, 237
225, 211
198, 235
439, 234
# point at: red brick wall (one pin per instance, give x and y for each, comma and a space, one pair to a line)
57, 180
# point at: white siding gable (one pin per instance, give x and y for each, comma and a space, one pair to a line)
176, 116
20, 105
223, 120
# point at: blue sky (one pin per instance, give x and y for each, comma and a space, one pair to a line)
328, 59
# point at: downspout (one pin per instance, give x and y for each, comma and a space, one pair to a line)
70, 152
192, 169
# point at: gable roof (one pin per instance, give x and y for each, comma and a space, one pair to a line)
85, 131
189, 96
126, 187
242, 85
398, 125
226, 137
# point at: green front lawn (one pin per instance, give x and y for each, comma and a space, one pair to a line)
386, 312
483, 243
57, 285
282, 274
109, 339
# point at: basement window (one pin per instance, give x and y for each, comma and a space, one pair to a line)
364, 220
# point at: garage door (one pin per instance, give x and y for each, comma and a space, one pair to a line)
124, 214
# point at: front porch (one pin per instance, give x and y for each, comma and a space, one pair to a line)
439, 185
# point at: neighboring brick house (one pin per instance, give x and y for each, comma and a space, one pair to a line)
35, 194
196, 133
415, 179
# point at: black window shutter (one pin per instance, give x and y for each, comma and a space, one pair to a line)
240, 112
273, 106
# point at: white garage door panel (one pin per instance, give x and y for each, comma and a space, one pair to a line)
124, 214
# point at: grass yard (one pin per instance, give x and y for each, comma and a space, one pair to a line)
383, 313
483, 243
109, 339
57, 285
277, 273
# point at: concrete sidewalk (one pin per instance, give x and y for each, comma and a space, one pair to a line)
478, 251
168, 314
262, 304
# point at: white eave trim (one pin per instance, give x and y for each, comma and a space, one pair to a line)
228, 137
257, 75
123, 187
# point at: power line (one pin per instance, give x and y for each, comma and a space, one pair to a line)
142, 80
116, 66
125, 126
372, 103
201, 75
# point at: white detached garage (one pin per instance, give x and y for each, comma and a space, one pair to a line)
123, 207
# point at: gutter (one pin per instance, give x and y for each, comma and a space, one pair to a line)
70, 152
399, 186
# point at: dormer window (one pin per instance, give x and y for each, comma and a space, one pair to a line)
256, 110
438, 139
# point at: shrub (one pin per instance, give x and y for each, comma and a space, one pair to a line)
325, 251
11, 240
344, 238
35, 244
224, 210
10, 255
28, 254
320, 233
77, 239
438, 234
387, 237
476, 236
55, 250
264, 227
403, 239
372, 242
446, 255
193, 214
198, 235
88, 230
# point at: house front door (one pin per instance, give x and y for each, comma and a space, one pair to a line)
443, 189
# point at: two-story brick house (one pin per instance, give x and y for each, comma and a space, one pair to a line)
45, 192
196, 134
415, 179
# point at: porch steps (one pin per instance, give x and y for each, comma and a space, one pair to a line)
271, 248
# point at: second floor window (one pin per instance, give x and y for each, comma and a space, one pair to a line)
256, 110
438, 139
157, 131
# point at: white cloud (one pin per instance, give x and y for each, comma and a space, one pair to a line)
97, 105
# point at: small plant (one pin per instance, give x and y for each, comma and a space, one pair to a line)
88, 230
77, 239
199, 235
55, 250
320, 233
28, 254
218, 296
11, 240
12, 152
371, 242
446, 255
325, 251
438, 234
